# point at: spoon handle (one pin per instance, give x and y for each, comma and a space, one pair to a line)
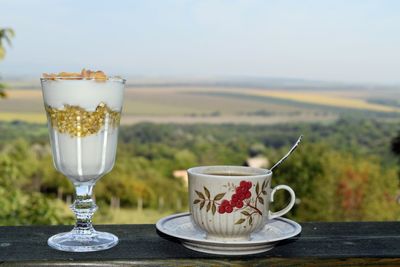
288, 154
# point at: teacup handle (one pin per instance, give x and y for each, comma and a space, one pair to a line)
272, 215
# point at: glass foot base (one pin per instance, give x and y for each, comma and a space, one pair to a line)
74, 242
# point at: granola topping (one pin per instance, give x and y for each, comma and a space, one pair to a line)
78, 122
83, 75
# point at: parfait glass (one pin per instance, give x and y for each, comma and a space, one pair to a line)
83, 119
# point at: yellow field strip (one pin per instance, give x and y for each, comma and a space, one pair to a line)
24, 94
26, 116
320, 99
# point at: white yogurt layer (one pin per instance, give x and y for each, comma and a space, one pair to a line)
84, 159
84, 93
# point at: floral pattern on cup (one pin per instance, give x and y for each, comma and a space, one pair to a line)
243, 200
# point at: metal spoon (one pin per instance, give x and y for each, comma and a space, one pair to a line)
288, 154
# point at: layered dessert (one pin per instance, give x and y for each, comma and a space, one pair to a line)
84, 111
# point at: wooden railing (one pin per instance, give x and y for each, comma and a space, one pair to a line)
319, 244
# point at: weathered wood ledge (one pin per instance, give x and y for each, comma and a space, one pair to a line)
319, 244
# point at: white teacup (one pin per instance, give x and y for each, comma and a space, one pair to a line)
231, 202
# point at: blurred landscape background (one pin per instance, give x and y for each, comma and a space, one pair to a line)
208, 83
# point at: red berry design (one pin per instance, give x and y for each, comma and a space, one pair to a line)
221, 209
225, 203
249, 185
241, 193
238, 197
235, 197
239, 204
228, 209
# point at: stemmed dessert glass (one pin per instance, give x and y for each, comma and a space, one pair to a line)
83, 112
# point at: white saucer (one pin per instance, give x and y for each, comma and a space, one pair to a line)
181, 227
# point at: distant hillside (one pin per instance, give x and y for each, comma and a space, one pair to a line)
234, 81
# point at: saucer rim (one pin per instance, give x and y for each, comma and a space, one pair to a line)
159, 225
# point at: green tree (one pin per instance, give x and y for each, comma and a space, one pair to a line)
19, 207
5, 37
338, 186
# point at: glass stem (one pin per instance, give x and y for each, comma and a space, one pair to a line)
84, 207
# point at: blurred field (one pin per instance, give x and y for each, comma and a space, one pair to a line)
210, 104
128, 216
33, 117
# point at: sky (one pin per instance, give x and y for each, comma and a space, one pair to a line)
329, 40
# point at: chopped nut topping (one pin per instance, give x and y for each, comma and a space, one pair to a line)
78, 122
83, 75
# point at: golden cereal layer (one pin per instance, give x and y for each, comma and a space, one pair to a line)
78, 122
83, 75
